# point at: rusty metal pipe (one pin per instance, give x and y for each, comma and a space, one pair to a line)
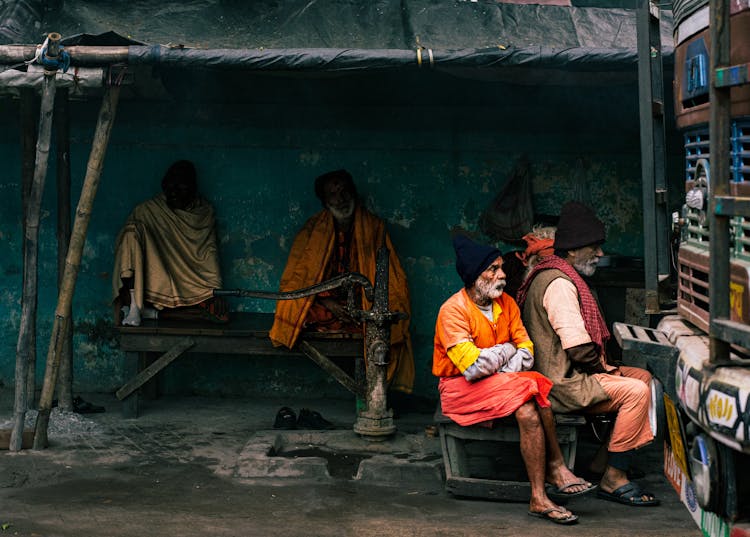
344, 280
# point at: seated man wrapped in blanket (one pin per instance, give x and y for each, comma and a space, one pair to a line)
166, 256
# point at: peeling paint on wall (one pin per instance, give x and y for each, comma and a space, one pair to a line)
425, 168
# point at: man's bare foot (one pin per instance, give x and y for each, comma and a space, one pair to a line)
149, 313
566, 481
134, 316
550, 509
613, 479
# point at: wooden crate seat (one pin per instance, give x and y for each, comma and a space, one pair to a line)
462, 443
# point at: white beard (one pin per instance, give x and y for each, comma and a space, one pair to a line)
490, 290
340, 214
587, 268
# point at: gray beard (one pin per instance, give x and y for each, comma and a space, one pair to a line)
587, 268
341, 215
487, 291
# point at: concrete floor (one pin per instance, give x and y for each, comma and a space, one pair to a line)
200, 467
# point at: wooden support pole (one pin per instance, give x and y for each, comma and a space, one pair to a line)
30, 254
62, 131
28, 157
73, 259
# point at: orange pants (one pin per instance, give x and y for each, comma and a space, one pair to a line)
629, 391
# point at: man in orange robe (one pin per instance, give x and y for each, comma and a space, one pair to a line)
483, 356
343, 237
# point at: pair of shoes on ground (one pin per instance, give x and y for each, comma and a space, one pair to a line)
307, 419
82, 407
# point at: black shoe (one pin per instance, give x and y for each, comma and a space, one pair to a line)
311, 419
84, 407
285, 419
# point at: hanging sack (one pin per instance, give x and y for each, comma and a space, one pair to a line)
510, 215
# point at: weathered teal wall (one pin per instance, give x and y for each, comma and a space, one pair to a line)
427, 158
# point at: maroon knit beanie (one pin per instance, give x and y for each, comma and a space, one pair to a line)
578, 227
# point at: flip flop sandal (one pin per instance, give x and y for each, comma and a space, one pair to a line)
285, 419
628, 494
569, 519
558, 493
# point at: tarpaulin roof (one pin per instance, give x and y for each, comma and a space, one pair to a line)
342, 35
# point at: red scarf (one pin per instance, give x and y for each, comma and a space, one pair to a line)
592, 316
535, 246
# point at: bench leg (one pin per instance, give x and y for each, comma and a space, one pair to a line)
131, 367
454, 454
572, 448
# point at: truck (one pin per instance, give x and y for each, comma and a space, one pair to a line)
700, 348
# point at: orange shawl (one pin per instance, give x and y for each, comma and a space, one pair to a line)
308, 258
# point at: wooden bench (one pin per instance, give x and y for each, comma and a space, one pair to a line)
246, 333
511, 485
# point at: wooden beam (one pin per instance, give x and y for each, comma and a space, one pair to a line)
332, 369
147, 374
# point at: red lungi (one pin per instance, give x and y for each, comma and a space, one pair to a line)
495, 396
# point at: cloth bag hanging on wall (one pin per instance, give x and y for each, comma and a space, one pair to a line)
510, 215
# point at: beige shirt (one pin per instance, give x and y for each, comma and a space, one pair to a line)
564, 313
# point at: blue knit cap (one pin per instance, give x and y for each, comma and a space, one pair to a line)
472, 259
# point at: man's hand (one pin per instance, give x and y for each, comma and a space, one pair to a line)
586, 359
522, 360
338, 309
489, 361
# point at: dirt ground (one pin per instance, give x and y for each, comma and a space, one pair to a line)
175, 471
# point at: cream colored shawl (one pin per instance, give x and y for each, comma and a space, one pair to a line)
171, 254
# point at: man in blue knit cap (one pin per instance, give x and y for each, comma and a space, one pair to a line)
483, 356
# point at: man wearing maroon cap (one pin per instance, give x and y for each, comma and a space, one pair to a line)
570, 335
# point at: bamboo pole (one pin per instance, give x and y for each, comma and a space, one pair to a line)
28, 156
62, 124
30, 254
83, 55
73, 259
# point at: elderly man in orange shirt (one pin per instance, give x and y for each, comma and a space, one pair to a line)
483, 355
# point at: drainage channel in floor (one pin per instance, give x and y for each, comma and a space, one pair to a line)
341, 465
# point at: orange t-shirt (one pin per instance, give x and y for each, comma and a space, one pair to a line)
460, 320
